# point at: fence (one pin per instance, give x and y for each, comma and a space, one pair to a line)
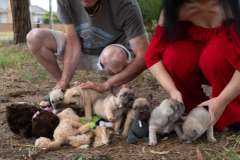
6, 33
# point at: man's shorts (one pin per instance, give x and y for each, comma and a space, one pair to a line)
87, 62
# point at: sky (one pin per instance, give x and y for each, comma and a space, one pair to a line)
45, 4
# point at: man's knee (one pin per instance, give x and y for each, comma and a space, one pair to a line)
114, 59
37, 38
34, 40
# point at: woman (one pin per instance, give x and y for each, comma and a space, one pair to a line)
198, 42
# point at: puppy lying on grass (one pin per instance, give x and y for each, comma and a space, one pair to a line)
195, 124
163, 118
69, 131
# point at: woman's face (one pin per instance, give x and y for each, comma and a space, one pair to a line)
88, 3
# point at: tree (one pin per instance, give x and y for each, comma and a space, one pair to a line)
21, 20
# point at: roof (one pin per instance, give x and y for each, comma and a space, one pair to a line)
37, 10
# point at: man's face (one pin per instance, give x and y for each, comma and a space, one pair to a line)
88, 3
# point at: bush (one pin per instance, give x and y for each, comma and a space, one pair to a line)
45, 18
150, 10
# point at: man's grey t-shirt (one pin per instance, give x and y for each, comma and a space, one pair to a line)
116, 21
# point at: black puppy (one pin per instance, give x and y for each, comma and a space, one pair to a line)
29, 121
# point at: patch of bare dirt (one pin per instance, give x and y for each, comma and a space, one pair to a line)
15, 89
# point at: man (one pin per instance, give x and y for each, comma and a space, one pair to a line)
93, 26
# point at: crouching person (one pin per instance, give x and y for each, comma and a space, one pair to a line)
99, 35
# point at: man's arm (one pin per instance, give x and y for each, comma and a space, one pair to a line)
71, 56
139, 46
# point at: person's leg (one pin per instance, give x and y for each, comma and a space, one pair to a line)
181, 61
113, 59
218, 70
43, 46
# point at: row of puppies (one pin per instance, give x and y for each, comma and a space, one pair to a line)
167, 117
109, 107
28, 120
163, 119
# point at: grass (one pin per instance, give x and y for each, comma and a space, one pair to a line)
6, 36
12, 57
229, 151
19, 59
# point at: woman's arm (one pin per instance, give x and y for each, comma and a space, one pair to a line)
218, 104
232, 90
154, 62
159, 72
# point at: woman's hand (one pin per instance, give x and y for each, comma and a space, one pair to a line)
216, 107
176, 94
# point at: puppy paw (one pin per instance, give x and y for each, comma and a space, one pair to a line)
42, 143
212, 139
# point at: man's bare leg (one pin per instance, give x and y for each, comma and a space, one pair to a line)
43, 46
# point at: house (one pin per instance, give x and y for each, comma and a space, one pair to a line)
36, 14
5, 11
6, 16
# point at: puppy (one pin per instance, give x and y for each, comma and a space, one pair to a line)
140, 111
29, 121
56, 100
195, 124
163, 118
84, 98
19, 118
113, 108
69, 126
44, 123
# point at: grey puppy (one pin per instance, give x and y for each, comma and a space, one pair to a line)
195, 124
163, 118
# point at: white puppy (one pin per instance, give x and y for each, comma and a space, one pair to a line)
163, 118
196, 124
56, 100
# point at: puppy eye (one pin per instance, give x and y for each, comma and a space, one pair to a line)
60, 99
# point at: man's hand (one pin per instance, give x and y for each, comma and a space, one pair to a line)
100, 87
216, 108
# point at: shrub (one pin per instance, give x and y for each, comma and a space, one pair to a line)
150, 10
45, 18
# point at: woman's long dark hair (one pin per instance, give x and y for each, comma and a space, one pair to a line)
171, 11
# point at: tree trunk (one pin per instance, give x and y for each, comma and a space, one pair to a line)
21, 20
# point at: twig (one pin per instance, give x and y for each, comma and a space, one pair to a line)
159, 153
